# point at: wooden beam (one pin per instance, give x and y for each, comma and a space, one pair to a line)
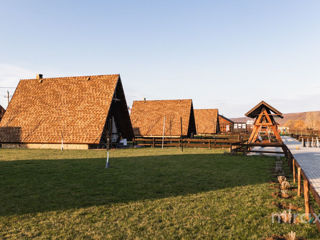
274, 152
265, 145
299, 181
306, 198
294, 171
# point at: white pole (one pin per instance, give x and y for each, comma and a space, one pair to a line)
8, 96
107, 162
163, 131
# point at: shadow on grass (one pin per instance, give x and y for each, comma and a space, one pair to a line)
30, 186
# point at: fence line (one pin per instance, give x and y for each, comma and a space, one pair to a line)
187, 142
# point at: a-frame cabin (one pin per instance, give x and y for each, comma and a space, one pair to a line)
265, 128
77, 112
159, 118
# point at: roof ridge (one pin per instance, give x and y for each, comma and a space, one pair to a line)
72, 77
159, 100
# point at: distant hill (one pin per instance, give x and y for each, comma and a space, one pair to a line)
297, 121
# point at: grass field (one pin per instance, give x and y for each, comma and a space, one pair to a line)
145, 194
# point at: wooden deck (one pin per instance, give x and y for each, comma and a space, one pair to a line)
306, 165
309, 160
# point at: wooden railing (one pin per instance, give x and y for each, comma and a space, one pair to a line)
186, 142
307, 188
308, 140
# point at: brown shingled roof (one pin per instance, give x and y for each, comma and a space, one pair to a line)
147, 117
41, 111
207, 121
256, 110
225, 119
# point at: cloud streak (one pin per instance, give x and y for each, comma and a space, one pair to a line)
9, 79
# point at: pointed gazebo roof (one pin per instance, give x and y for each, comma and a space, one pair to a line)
255, 111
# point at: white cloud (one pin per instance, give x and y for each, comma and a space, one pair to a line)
9, 78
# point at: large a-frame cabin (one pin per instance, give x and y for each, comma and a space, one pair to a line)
74, 112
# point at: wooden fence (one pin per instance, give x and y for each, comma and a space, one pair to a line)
305, 132
308, 140
225, 142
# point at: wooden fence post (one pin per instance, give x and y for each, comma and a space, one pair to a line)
294, 171
299, 181
182, 144
306, 198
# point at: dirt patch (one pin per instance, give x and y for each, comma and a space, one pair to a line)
290, 236
275, 195
286, 206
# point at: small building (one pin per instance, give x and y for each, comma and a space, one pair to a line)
207, 121
2, 111
226, 125
157, 118
240, 127
70, 112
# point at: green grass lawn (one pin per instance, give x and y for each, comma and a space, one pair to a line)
145, 194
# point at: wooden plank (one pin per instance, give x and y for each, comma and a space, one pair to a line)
294, 171
299, 181
257, 151
306, 197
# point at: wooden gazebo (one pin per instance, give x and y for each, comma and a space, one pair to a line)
265, 128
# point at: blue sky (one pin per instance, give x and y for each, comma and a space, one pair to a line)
222, 54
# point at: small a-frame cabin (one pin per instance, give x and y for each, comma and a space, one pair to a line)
67, 112
226, 125
207, 121
265, 128
163, 118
